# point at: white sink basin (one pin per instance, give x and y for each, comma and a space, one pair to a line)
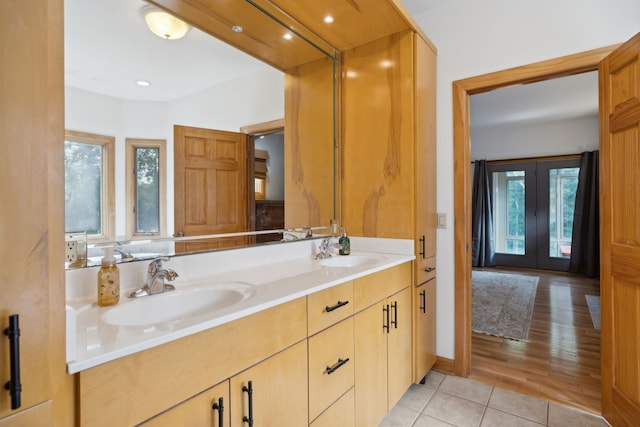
173, 306
351, 260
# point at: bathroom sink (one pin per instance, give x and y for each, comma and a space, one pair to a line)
175, 305
351, 260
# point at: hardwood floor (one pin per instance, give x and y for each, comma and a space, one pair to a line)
561, 360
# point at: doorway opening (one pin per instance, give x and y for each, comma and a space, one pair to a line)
573, 64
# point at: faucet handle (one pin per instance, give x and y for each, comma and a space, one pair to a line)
156, 264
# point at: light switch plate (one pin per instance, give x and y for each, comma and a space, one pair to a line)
442, 220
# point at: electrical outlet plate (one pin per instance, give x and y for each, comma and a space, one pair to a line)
71, 253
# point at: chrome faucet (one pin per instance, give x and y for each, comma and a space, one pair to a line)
124, 255
325, 247
156, 276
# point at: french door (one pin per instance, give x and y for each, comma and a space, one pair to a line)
533, 204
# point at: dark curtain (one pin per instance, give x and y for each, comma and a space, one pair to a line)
483, 248
585, 243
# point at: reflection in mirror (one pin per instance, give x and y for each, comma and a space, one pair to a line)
201, 82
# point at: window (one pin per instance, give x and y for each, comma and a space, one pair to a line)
260, 170
146, 190
89, 184
563, 184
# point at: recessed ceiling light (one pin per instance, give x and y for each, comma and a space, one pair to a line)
328, 19
143, 83
288, 36
237, 28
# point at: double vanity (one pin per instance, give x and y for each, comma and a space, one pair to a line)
270, 334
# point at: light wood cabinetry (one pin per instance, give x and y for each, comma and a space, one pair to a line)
208, 409
273, 392
424, 305
340, 413
31, 218
383, 347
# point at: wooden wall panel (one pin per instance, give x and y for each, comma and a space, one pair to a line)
378, 138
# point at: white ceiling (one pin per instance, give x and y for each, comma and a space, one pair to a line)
108, 48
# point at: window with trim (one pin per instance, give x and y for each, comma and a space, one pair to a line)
146, 187
89, 184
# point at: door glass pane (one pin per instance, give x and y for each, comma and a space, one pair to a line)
147, 189
509, 212
83, 187
562, 197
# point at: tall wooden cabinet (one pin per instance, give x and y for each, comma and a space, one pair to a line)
31, 213
389, 153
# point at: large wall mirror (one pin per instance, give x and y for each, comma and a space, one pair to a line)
142, 111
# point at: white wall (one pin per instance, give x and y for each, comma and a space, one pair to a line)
570, 136
250, 99
477, 37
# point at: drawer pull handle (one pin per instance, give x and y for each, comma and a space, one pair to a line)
249, 390
220, 408
422, 249
430, 269
385, 310
335, 307
14, 386
423, 305
394, 307
331, 369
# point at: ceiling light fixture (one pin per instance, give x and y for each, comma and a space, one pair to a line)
287, 36
163, 24
143, 83
237, 28
328, 19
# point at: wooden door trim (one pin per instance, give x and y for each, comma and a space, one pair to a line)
462, 89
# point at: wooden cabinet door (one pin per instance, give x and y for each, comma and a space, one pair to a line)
425, 116
208, 409
400, 357
371, 364
424, 346
620, 209
31, 209
340, 414
278, 391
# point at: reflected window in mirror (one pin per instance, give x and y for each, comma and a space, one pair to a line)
145, 187
89, 184
260, 173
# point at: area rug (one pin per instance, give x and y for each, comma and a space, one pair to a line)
593, 302
502, 304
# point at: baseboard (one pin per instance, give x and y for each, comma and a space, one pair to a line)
445, 366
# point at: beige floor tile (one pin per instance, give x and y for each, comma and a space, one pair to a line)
519, 404
494, 418
417, 397
399, 417
474, 391
427, 421
434, 379
561, 416
454, 410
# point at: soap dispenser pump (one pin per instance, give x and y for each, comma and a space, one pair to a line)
108, 280
344, 242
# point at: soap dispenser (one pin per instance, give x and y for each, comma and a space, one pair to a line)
344, 242
108, 280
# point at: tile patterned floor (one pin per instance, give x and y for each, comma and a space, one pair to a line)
446, 401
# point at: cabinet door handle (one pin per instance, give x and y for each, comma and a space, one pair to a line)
14, 386
220, 408
422, 245
249, 390
331, 369
339, 304
429, 269
423, 304
385, 311
394, 307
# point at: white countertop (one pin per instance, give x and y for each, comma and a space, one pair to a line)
276, 274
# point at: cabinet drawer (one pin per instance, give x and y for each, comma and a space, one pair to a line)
377, 286
340, 414
425, 270
331, 366
330, 306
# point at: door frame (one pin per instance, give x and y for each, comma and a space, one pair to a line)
462, 90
